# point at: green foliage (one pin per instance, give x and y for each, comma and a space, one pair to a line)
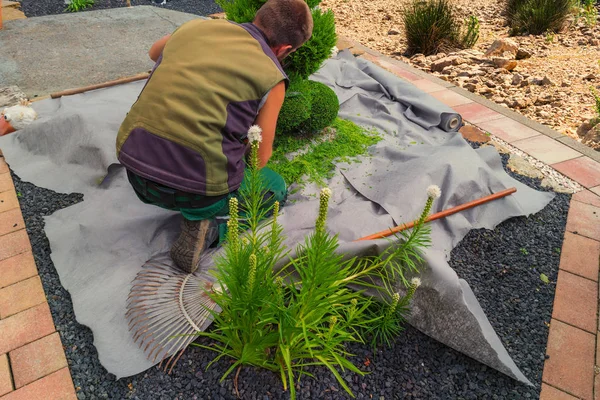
324, 108
78, 5
308, 108
240, 11
597, 102
296, 108
303, 313
471, 35
317, 161
430, 26
308, 59
536, 17
589, 12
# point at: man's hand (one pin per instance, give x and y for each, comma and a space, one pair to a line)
157, 48
267, 120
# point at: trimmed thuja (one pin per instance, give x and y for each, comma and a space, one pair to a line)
286, 312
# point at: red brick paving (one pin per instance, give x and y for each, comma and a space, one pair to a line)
476, 113
37, 359
508, 129
32, 360
583, 170
550, 393
576, 301
584, 220
570, 366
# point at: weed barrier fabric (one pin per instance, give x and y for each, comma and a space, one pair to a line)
100, 244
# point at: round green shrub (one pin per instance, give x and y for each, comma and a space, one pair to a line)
296, 107
536, 17
430, 27
324, 108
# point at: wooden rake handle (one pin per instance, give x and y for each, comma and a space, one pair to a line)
70, 92
441, 214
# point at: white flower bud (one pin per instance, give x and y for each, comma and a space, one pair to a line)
416, 282
326, 192
434, 192
255, 134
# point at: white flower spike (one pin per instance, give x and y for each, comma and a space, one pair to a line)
416, 282
255, 134
434, 191
326, 192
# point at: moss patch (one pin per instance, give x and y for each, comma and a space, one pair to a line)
317, 163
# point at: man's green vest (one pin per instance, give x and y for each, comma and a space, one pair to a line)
187, 128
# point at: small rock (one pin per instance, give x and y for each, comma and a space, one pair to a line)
545, 99
594, 42
521, 166
442, 63
471, 87
501, 46
393, 32
589, 77
523, 54
517, 79
566, 83
505, 63
490, 83
519, 103
546, 81
592, 138
585, 128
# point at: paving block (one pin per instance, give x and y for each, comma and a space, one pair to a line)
474, 134
8, 201
596, 190
580, 256
576, 301
17, 268
546, 149
13, 244
11, 221
21, 296
37, 359
427, 86
6, 182
397, 70
3, 165
550, 393
583, 170
570, 366
450, 98
588, 197
5, 377
508, 129
25, 327
56, 386
584, 219
477, 113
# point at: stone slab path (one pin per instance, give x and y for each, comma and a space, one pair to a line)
32, 361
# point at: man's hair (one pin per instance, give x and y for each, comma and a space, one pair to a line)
285, 22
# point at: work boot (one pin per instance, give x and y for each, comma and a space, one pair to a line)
186, 251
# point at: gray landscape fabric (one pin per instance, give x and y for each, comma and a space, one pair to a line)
99, 245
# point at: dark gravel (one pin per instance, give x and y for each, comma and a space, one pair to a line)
503, 267
38, 8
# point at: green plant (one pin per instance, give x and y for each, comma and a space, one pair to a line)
523, 251
78, 5
287, 313
587, 9
537, 16
471, 35
296, 108
597, 102
310, 57
324, 108
317, 162
430, 26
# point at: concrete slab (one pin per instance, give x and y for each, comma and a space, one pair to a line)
42, 55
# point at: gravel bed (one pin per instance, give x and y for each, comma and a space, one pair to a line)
503, 267
38, 8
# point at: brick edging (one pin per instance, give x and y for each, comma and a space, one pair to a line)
542, 129
33, 365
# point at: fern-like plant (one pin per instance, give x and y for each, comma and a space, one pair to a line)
304, 313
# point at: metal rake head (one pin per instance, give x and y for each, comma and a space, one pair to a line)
166, 307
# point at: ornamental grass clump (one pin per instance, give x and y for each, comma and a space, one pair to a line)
432, 26
289, 314
536, 17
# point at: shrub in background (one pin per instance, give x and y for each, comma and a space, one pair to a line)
431, 26
536, 17
303, 314
78, 5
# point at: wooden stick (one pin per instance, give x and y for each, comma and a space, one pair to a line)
120, 81
441, 214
